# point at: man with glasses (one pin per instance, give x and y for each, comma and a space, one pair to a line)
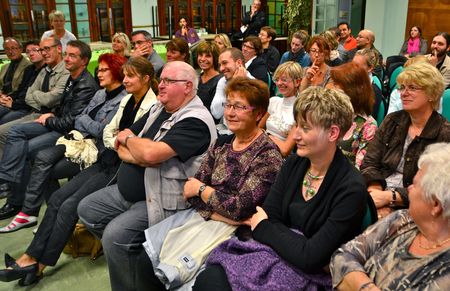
365, 40
12, 74
13, 105
25, 139
159, 152
142, 44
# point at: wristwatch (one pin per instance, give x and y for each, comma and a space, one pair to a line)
201, 189
127, 138
394, 197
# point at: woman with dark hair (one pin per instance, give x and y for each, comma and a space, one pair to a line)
208, 61
354, 81
185, 32
178, 50
254, 63
415, 44
316, 203
61, 214
319, 72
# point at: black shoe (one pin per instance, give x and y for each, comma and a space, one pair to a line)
10, 261
26, 274
8, 211
5, 190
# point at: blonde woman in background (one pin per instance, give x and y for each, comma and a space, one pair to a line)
222, 41
57, 21
121, 44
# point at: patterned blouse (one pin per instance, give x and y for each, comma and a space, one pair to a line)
241, 179
382, 253
356, 139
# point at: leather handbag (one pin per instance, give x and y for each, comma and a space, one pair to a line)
83, 243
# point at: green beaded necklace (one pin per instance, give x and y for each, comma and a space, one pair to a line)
307, 182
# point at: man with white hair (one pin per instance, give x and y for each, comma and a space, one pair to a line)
159, 153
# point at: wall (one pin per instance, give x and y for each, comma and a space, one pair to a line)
387, 19
141, 12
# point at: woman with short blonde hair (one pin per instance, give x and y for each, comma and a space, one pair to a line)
57, 21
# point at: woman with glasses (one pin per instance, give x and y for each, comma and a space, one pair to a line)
61, 214
316, 203
391, 160
234, 177
58, 21
279, 119
319, 72
254, 63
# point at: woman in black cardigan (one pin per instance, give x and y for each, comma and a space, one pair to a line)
317, 193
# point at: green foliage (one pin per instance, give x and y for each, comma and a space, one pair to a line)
298, 15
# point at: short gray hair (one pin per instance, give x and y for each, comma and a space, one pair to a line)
185, 72
436, 179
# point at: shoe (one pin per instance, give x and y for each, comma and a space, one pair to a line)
8, 211
21, 220
27, 275
5, 190
10, 261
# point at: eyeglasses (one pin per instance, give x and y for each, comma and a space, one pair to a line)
47, 48
10, 49
167, 81
237, 107
103, 70
247, 46
313, 51
411, 88
35, 50
138, 42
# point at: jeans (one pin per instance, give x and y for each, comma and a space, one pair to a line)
120, 224
22, 143
61, 214
4, 128
41, 176
7, 115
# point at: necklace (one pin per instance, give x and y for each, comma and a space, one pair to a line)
435, 246
307, 182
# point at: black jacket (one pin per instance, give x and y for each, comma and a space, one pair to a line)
258, 69
77, 95
254, 23
272, 58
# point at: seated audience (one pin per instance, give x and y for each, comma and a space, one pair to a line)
121, 44
319, 72
60, 159
185, 32
335, 59
221, 200
345, 36
353, 80
317, 203
208, 61
439, 58
279, 120
415, 44
59, 31
270, 53
159, 153
365, 40
222, 41
391, 160
26, 139
61, 215
297, 51
254, 62
12, 104
177, 50
409, 249
142, 43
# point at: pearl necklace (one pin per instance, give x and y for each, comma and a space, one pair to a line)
307, 182
435, 246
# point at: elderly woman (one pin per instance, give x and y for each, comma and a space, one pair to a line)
409, 249
316, 203
391, 160
61, 214
222, 41
254, 63
353, 80
121, 44
58, 21
319, 72
59, 162
208, 61
235, 177
279, 120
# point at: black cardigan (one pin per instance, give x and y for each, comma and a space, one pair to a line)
332, 217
